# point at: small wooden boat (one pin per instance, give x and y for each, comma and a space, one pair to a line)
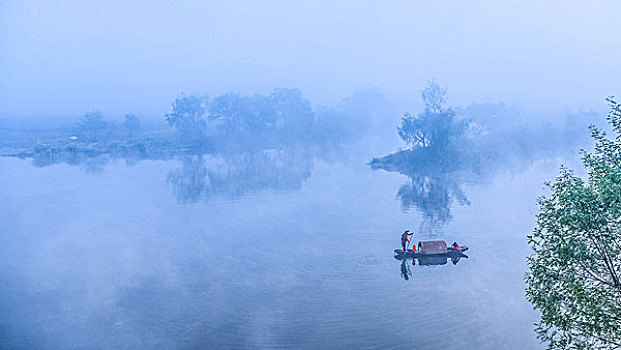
427, 249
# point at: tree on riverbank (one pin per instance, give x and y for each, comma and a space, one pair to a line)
574, 277
92, 126
234, 122
132, 125
189, 117
437, 127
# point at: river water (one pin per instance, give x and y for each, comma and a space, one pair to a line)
278, 250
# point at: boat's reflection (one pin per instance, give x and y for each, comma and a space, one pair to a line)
427, 260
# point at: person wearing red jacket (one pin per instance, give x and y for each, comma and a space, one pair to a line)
404, 239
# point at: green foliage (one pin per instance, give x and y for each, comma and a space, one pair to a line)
437, 127
576, 260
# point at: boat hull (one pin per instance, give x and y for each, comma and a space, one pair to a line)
410, 254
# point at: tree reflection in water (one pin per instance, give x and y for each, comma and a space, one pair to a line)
435, 183
202, 177
432, 196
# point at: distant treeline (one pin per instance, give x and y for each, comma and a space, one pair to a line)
228, 121
284, 117
225, 125
233, 123
279, 134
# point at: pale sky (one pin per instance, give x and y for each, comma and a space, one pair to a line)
62, 58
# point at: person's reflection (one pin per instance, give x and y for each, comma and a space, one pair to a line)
405, 270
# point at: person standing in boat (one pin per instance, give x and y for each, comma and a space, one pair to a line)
404, 239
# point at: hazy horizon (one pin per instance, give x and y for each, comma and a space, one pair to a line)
62, 59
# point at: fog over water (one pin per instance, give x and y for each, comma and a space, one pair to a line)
190, 175
127, 259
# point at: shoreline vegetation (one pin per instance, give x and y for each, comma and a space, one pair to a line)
280, 134
233, 123
449, 148
199, 125
228, 145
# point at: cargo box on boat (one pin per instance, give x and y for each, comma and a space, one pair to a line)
432, 247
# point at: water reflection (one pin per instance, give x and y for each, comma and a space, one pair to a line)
406, 273
435, 182
427, 260
202, 174
92, 158
228, 145
202, 177
432, 196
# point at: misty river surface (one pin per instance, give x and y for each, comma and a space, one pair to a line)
180, 254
